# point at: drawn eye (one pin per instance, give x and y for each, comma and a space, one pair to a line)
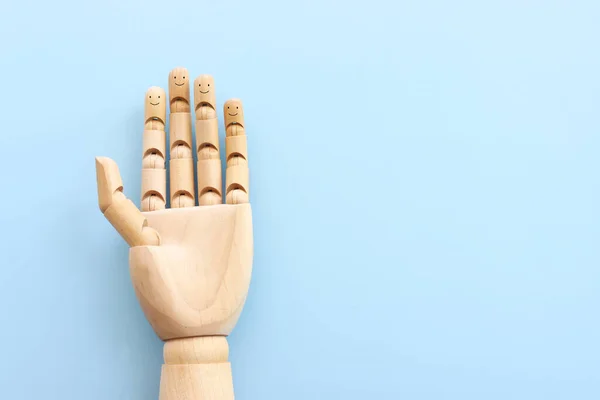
184, 77
209, 84
150, 96
159, 97
174, 77
236, 107
228, 107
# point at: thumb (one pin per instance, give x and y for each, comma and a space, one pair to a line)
118, 209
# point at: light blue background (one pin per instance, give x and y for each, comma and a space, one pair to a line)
425, 186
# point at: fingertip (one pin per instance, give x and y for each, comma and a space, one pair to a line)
204, 91
155, 104
233, 112
102, 162
179, 87
108, 180
155, 90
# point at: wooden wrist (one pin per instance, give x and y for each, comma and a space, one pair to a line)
196, 369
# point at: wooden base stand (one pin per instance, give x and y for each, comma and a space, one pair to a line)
196, 369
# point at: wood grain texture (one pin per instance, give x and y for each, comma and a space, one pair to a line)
195, 283
196, 369
196, 350
196, 382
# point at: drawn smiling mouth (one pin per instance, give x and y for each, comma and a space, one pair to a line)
154, 104
177, 84
232, 115
204, 92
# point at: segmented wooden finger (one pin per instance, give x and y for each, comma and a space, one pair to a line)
154, 174
118, 209
237, 179
181, 164
207, 142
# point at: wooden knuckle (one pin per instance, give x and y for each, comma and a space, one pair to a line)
236, 146
131, 223
182, 177
237, 178
154, 182
154, 141
207, 133
209, 176
180, 129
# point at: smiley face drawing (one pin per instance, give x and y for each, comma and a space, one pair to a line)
179, 85
155, 104
233, 112
204, 91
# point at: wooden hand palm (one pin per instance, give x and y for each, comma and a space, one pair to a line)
195, 283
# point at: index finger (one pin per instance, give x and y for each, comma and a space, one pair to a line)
154, 174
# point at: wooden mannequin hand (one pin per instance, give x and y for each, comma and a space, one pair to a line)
190, 265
